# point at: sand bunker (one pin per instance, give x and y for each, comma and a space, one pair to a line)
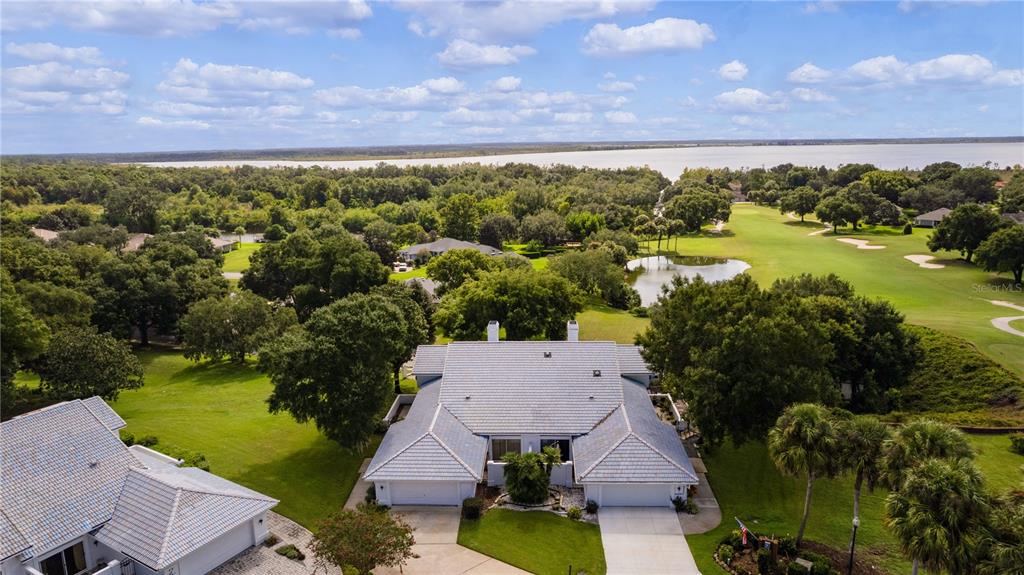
923, 261
861, 244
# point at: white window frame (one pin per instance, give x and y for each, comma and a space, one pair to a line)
61, 550
490, 444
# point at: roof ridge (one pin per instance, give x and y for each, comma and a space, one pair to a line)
663, 456
613, 446
206, 491
167, 528
397, 453
444, 445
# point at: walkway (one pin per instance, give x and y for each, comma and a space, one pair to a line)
1003, 323
644, 540
263, 560
437, 548
709, 514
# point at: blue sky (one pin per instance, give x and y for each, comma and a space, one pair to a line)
127, 76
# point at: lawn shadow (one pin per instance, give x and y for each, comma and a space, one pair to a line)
799, 224
215, 373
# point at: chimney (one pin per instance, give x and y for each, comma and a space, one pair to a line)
492, 330
574, 330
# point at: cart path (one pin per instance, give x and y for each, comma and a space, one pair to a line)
1003, 323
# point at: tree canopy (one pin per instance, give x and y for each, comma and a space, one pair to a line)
963, 229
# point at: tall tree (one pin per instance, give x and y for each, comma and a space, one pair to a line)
862, 439
917, 441
336, 368
455, 267
496, 229
416, 334
23, 336
838, 211
804, 441
546, 227
1003, 251
460, 217
695, 208
234, 325
81, 363
937, 515
963, 229
365, 538
801, 201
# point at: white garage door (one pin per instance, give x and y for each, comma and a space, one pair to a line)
216, 552
425, 493
635, 495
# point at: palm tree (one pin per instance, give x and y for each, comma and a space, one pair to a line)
862, 439
1002, 547
920, 440
938, 514
804, 440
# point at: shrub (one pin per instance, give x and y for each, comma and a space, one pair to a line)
380, 426
472, 508
1017, 443
147, 441
765, 564
908, 229
725, 553
575, 513
591, 506
733, 539
679, 503
787, 545
820, 564
525, 478
189, 458
349, 570
690, 507
371, 494
271, 540
290, 551
795, 569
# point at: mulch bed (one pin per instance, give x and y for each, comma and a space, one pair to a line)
862, 563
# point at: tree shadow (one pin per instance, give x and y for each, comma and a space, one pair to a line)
215, 373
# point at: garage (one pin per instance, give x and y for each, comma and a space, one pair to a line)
217, 551
634, 495
425, 493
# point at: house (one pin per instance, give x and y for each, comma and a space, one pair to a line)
75, 499
440, 246
478, 400
223, 245
932, 218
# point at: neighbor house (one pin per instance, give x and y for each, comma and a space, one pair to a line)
479, 400
1014, 217
932, 218
442, 245
75, 499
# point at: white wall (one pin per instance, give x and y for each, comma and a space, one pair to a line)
461, 490
216, 552
659, 494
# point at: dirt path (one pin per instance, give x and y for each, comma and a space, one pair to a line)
1003, 323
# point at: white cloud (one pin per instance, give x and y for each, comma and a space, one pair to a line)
983, 108
150, 121
232, 78
734, 71
504, 20
619, 117
617, 86
809, 74
467, 116
573, 117
811, 95
749, 100
506, 84
47, 51
1006, 78
958, 69
879, 69
284, 111
345, 33
463, 54
821, 6
393, 117
482, 131
445, 85
39, 97
390, 98
662, 35
688, 102
911, 5
747, 122
56, 76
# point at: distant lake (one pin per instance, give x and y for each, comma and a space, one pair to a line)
659, 270
671, 161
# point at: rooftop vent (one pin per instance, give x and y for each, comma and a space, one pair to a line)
591, 397
597, 373
467, 398
547, 354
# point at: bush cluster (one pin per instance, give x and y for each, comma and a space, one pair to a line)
575, 513
290, 551
1017, 443
591, 506
472, 508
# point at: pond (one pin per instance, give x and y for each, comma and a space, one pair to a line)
659, 270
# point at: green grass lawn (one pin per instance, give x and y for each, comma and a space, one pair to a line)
220, 411
238, 259
420, 272
748, 485
952, 299
537, 541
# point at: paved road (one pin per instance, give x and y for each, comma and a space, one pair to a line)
644, 540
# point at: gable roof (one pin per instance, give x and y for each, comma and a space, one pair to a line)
514, 387
632, 445
934, 214
430, 444
442, 245
61, 471
168, 512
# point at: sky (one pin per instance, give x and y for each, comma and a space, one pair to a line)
153, 75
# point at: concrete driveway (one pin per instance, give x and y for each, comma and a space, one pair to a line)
437, 534
644, 540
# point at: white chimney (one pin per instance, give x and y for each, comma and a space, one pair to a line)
574, 330
492, 330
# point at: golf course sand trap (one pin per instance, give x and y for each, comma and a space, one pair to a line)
923, 261
861, 244
821, 231
1003, 323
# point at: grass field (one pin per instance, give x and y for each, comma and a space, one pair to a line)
536, 541
748, 486
952, 299
220, 411
238, 260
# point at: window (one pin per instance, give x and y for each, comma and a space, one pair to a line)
67, 562
500, 447
561, 444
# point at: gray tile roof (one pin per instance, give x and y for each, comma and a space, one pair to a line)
429, 444
442, 245
630, 360
61, 471
104, 413
632, 445
429, 360
934, 214
511, 387
166, 513
12, 541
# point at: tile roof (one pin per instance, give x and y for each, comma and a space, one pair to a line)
61, 471
632, 445
934, 214
442, 245
429, 360
630, 360
430, 443
104, 413
168, 512
513, 387
12, 541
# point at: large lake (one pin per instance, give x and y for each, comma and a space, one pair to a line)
672, 161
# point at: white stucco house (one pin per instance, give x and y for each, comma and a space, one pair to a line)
74, 499
480, 400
